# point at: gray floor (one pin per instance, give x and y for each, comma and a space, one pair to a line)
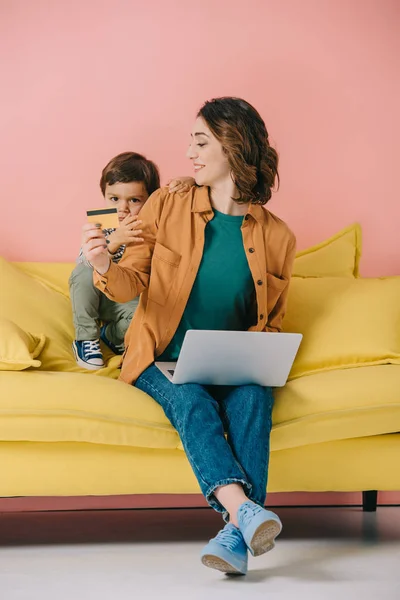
323, 553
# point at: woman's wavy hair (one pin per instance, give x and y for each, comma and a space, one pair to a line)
244, 138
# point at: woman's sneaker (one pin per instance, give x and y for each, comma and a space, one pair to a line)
227, 552
259, 527
88, 354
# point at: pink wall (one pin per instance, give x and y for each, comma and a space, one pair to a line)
83, 81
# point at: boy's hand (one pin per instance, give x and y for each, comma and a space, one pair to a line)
94, 247
180, 184
127, 233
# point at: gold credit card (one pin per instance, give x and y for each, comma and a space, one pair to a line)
107, 217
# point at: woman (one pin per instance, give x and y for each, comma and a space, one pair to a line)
212, 258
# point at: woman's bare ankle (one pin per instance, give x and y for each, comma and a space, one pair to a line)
231, 497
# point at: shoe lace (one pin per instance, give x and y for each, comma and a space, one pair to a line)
90, 348
229, 537
248, 512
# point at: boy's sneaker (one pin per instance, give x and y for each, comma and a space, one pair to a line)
88, 354
227, 552
120, 349
259, 527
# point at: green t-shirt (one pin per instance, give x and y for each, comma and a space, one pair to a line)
223, 295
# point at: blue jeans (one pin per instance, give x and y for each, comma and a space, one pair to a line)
201, 415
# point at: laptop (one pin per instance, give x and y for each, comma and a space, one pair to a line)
233, 358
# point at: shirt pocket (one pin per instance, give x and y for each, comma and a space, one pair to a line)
275, 287
164, 267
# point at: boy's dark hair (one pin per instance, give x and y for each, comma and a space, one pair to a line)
130, 166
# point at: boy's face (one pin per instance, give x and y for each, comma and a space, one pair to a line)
127, 198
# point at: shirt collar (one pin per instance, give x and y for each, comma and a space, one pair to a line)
201, 200
257, 212
201, 203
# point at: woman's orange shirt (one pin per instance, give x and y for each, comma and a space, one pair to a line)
164, 268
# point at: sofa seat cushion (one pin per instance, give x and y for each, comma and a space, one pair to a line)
337, 405
40, 406
70, 407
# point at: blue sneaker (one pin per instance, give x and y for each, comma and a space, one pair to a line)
259, 527
88, 354
120, 349
227, 552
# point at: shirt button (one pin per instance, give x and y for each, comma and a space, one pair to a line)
261, 317
251, 250
259, 282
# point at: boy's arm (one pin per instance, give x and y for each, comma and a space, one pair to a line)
130, 277
128, 232
115, 247
180, 184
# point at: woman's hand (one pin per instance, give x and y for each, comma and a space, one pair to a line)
94, 247
180, 184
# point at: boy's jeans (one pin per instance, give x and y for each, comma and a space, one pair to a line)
201, 414
90, 305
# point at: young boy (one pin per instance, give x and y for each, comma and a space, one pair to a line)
126, 183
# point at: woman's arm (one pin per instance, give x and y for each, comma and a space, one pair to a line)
130, 277
277, 314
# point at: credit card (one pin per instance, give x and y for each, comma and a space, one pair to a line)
107, 217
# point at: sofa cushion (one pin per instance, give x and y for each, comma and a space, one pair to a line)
70, 407
18, 349
336, 405
39, 406
339, 256
34, 306
53, 275
345, 322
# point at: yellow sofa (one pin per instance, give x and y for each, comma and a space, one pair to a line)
69, 432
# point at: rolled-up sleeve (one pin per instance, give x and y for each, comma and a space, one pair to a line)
130, 277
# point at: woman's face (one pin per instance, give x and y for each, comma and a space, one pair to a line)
210, 163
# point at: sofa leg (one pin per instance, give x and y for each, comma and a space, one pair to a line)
370, 500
